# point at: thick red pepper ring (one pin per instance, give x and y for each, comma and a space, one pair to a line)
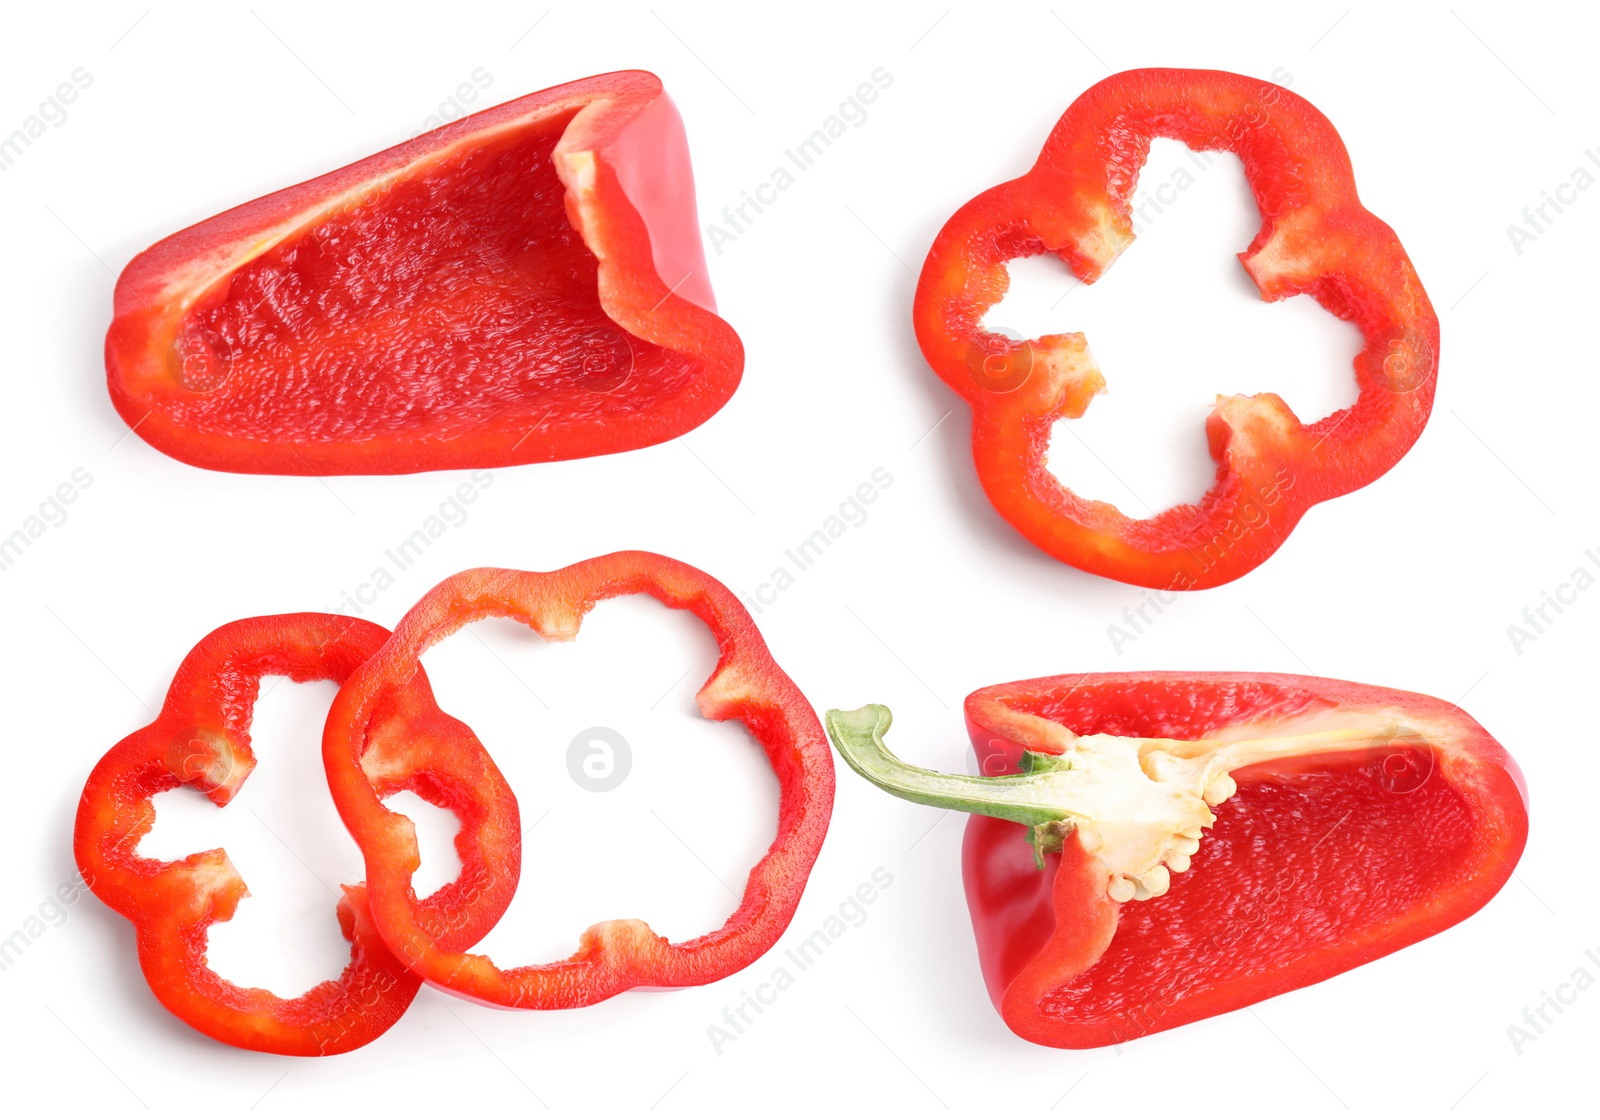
1315, 238
1149, 850
521, 285
202, 739
613, 956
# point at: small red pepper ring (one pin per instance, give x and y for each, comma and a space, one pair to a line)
1315, 238
613, 956
1147, 850
521, 285
201, 739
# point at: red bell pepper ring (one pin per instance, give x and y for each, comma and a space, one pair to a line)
613, 956
1154, 849
522, 285
201, 739
1315, 238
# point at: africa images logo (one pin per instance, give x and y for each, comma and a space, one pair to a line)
51, 113
851, 113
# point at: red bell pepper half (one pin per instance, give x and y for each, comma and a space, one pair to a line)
1149, 850
613, 956
1315, 238
521, 285
201, 739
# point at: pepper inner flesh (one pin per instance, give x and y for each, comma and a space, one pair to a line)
1139, 805
441, 300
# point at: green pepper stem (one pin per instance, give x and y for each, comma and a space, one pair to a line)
858, 736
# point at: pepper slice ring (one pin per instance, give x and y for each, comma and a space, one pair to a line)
1316, 238
201, 738
746, 685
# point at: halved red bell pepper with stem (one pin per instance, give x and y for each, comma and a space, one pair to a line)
1316, 238
1148, 850
613, 956
201, 739
521, 285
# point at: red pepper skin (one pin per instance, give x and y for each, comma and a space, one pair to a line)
522, 285
201, 738
613, 956
1286, 889
1315, 238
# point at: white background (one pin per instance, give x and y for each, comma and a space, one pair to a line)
1456, 121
